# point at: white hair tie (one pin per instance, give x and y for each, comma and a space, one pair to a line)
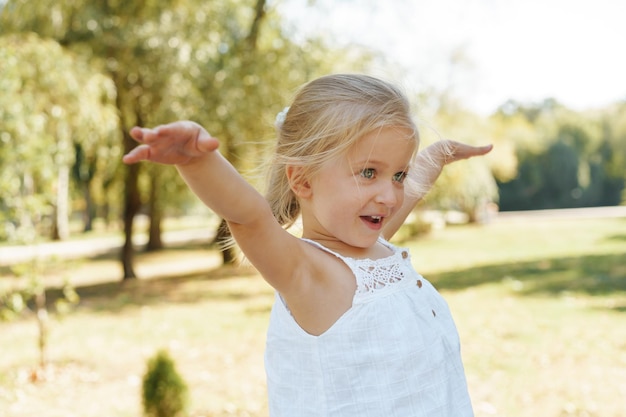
280, 118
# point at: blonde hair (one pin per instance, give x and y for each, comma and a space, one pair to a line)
327, 117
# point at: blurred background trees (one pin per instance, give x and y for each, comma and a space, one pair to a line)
227, 65
77, 75
569, 160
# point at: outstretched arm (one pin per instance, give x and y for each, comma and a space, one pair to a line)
216, 182
424, 172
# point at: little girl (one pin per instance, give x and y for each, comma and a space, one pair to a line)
355, 331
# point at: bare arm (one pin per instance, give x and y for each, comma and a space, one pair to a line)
425, 171
216, 182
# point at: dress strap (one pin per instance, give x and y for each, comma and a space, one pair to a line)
348, 259
324, 248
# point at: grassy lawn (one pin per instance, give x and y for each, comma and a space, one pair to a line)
540, 306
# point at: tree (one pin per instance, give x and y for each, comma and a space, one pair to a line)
51, 100
131, 39
570, 164
49, 96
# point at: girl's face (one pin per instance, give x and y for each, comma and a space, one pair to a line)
351, 197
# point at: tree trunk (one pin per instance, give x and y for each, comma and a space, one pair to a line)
61, 228
43, 326
90, 210
259, 14
132, 204
154, 232
132, 200
83, 172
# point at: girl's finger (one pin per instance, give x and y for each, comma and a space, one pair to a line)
207, 143
136, 133
140, 153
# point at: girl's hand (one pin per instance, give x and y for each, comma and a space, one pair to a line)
447, 151
176, 143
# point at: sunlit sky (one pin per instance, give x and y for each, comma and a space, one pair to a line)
527, 50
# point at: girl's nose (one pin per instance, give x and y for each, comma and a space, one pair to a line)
387, 194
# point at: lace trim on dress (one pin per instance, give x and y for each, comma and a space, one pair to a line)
378, 275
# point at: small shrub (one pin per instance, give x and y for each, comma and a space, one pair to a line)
164, 390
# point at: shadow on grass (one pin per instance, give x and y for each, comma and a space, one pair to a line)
621, 238
178, 289
593, 275
590, 275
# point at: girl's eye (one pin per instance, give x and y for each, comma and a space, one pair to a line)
400, 176
368, 173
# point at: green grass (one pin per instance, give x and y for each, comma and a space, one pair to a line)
540, 306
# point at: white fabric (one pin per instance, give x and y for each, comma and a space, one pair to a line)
394, 353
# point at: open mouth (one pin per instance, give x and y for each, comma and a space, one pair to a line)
373, 219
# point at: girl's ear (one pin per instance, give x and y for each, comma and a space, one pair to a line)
298, 181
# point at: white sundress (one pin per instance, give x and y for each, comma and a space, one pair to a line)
394, 353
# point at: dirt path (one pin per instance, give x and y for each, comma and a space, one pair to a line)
95, 261
575, 213
83, 248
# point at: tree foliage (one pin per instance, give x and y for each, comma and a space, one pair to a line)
572, 161
52, 101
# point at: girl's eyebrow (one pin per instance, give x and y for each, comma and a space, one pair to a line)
368, 161
360, 163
